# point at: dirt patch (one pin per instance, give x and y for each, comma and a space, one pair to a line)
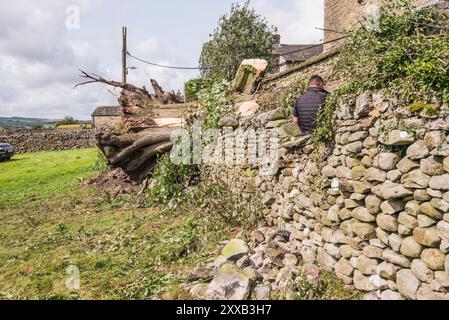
115, 182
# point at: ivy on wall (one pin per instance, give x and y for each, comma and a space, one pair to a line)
405, 55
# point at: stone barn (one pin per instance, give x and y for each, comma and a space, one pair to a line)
107, 117
289, 55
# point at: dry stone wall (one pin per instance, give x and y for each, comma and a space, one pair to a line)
29, 140
374, 208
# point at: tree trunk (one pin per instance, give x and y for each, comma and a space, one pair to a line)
147, 127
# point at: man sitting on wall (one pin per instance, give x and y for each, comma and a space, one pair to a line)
306, 107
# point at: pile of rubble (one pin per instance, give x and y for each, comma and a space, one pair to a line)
267, 266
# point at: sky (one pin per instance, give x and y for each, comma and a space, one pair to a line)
44, 43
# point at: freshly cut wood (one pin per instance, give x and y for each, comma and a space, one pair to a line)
148, 122
169, 123
140, 108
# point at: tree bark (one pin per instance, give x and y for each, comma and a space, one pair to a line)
147, 127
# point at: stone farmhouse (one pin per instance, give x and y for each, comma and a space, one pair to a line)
107, 116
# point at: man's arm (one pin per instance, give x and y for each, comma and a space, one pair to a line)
295, 113
296, 120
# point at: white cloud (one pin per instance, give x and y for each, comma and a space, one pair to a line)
40, 57
168, 79
148, 47
38, 64
298, 25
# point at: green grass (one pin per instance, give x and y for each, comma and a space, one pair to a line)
49, 221
33, 177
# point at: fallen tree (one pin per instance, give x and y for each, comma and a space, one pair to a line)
148, 123
150, 119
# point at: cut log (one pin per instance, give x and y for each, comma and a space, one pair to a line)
148, 154
148, 140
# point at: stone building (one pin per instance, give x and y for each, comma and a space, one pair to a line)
291, 54
341, 15
107, 117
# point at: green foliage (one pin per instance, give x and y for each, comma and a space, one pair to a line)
222, 208
169, 181
242, 34
418, 107
101, 162
180, 243
193, 88
289, 97
405, 54
324, 133
211, 99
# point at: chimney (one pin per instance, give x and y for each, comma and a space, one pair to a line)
276, 38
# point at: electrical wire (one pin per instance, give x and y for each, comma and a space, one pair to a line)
197, 68
160, 65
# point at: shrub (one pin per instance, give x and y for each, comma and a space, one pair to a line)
101, 162
223, 209
168, 181
212, 98
243, 34
193, 88
407, 54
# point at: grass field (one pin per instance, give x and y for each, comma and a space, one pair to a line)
33, 177
50, 221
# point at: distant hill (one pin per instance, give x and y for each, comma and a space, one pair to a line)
18, 122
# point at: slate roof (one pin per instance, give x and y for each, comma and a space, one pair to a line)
307, 51
115, 111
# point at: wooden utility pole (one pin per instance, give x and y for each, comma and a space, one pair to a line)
124, 52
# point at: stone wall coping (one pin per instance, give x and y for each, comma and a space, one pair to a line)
315, 60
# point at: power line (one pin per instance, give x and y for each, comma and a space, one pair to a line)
330, 30
197, 68
160, 65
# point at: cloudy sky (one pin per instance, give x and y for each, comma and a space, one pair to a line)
43, 44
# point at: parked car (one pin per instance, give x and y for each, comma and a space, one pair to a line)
6, 151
